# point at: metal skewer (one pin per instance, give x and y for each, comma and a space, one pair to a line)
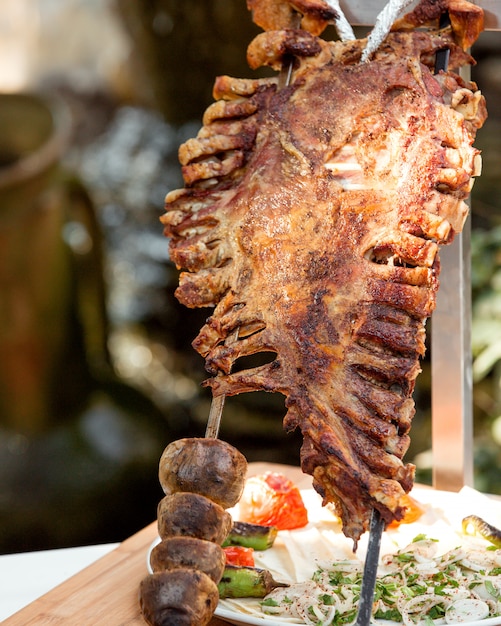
377, 527
442, 56
285, 75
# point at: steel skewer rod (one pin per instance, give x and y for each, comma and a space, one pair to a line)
366, 600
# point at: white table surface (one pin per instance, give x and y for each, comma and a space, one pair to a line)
26, 576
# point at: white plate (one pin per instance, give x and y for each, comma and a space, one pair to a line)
297, 554
243, 620
249, 620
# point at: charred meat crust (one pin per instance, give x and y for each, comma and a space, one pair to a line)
315, 231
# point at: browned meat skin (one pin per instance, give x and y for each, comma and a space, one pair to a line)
209, 467
316, 235
467, 20
188, 552
278, 14
192, 515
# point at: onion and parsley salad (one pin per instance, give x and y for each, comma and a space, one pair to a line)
415, 586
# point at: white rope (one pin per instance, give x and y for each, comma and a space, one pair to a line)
343, 27
382, 27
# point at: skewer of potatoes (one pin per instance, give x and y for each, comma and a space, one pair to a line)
201, 478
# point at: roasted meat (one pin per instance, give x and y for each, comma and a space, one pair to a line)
311, 221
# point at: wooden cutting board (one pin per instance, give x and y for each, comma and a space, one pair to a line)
106, 592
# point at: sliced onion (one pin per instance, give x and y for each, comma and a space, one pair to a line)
466, 610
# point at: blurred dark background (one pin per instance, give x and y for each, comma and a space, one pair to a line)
97, 373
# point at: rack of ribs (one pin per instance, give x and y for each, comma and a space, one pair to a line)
311, 221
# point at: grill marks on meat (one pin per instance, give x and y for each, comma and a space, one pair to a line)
313, 227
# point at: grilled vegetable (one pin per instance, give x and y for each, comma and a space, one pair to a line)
473, 524
189, 552
192, 515
246, 582
184, 463
178, 597
253, 536
192, 522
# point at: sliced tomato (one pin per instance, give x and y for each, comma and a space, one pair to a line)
238, 555
273, 500
413, 511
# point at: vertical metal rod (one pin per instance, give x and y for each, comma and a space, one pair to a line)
451, 370
366, 601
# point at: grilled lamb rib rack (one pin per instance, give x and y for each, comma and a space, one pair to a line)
311, 220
